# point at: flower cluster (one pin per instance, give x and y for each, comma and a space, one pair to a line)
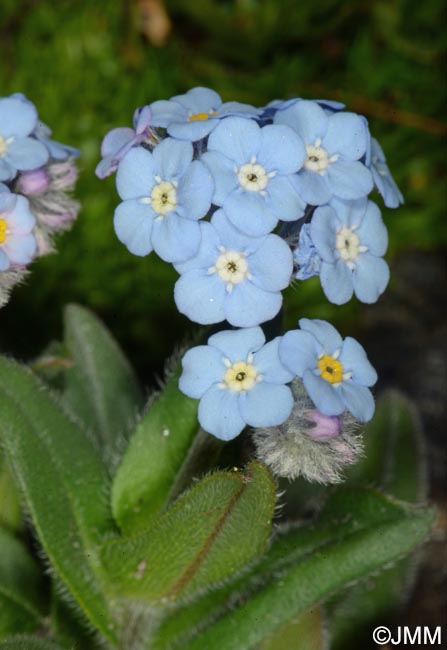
36, 174
243, 201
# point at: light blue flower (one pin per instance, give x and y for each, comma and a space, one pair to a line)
195, 114
335, 143
117, 142
233, 277
335, 372
164, 195
350, 237
18, 151
385, 183
239, 381
17, 243
306, 256
57, 150
252, 169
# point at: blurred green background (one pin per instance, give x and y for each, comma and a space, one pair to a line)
87, 65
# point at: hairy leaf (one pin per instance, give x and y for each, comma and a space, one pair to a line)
24, 642
10, 512
64, 484
304, 632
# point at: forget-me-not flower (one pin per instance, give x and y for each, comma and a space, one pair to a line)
336, 373
233, 276
252, 169
164, 194
117, 142
57, 150
17, 243
350, 238
239, 381
385, 183
195, 114
18, 151
335, 143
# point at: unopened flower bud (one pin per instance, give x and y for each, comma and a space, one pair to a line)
34, 182
326, 426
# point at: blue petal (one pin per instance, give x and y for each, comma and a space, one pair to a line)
26, 153
222, 170
268, 363
21, 248
199, 100
324, 332
337, 282
219, 413
195, 190
133, 226
165, 112
8, 200
135, 176
192, 131
307, 118
236, 345
353, 358
312, 187
7, 171
175, 239
349, 212
232, 238
200, 296
4, 262
372, 231
359, 401
144, 119
115, 139
346, 136
17, 117
236, 138
371, 276
106, 166
281, 149
325, 397
237, 108
172, 158
283, 199
207, 252
248, 212
349, 180
323, 229
248, 305
298, 351
21, 218
266, 405
202, 367
271, 265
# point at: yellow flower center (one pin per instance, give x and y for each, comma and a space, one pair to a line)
164, 197
241, 376
3, 230
318, 158
201, 116
3, 146
331, 369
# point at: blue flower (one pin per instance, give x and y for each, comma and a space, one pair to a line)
17, 243
309, 262
57, 150
18, 151
350, 238
385, 183
117, 142
335, 372
194, 115
239, 381
252, 169
233, 277
335, 143
165, 194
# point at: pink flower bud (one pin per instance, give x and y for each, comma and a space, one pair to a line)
33, 182
326, 426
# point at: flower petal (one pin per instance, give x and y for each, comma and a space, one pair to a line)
307, 118
269, 364
195, 190
247, 305
298, 351
323, 229
207, 252
199, 100
281, 149
248, 212
354, 359
222, 170
236, 345
370, 278
21, 219
135, 175
175, 239
172, 158
17, 117
346, 136
26, 153
266, 405
115, 139
231, 237
202, 367
283, 199
21, 248
271, 265
219, 413
236, 138
337, 282
165, 112
324, 332
312, 187
372, 231
323, 394
349, 180
200, 296
133, 226
359, 400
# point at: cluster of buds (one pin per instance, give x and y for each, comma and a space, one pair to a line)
37, 175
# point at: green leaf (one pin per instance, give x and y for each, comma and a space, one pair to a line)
24, 642
10, 511
146, 475
64, 484
101, 386
212, 531
376, 531
68, 625
21, 588
304, 632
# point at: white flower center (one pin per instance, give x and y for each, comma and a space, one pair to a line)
348, 244
318, 159
163, 196
232, 267
240, 376
253, 177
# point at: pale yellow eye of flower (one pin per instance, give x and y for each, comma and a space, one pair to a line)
3, 146
253, 177
164, 197
231, 267
318, 159
241, 376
